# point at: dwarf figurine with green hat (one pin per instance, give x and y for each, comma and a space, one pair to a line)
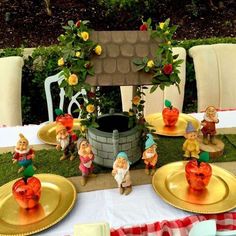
121, 173
150, 156
191, 146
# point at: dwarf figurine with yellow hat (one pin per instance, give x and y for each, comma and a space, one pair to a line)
66, 143
121, 173
191, 146
150, 156
23, 154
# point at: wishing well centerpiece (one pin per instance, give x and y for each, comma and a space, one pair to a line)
113, 59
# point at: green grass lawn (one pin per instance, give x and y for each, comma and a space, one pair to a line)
47, 161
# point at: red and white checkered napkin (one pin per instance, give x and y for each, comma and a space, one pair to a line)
180, 227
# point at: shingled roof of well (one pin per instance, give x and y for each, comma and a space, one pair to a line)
114, 66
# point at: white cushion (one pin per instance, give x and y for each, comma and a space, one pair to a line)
155, 101
10, 90
215, 68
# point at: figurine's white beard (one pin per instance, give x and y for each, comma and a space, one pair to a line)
149, 154
209, 119
120, 175
22, 152
63, 142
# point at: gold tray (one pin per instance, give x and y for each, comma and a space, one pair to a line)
47, 133
170, 184
157, 122
57, 199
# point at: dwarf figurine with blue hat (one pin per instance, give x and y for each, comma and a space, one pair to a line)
191, 145
121, 173
150, 156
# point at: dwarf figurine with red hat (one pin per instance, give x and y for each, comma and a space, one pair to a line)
86, 157
66, 143
209, 125
23, 154
191, 146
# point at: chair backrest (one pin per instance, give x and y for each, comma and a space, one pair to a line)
10, 90
215, 69
155, 101
73, 101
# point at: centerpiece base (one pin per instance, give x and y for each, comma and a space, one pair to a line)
112, 136
215, 150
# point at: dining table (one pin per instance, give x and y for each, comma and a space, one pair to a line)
142, 212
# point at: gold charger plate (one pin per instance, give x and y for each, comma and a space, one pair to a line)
47, 133
58, 197
157, 122
170, 184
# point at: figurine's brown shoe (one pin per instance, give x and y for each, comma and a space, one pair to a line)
153, 171
72, 157
147, 172
128, 190
92, 175
63, 158
213, 140
83, 181
205, 141
121, 190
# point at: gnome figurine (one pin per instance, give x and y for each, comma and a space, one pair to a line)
86, 157
150, 156
191, 146
121, 173
23, 154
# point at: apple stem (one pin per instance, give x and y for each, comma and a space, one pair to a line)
25, 179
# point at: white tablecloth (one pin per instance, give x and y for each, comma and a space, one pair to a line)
10, 135
141, 206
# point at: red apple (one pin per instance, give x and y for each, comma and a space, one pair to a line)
170, 114
198, 174
66, 120
27, 192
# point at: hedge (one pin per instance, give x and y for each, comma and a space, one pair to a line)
43, 63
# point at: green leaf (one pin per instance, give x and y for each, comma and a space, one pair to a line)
175, 56
153, 88
145, 60
70, 22
162, 86
168, 103
28, 171
141, 67
146, 69
59, 112
137, 61
204, 157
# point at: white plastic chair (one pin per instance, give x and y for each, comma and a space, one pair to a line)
155, 101
215, 69
47, 85
10, 90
